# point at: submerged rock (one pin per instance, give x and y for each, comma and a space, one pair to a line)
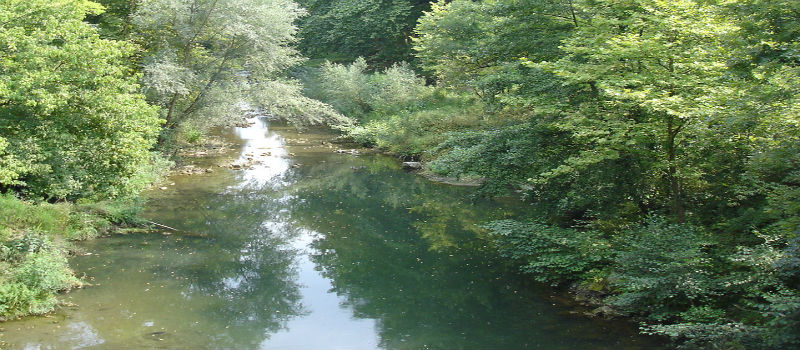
248, 163
193, 170
244, 124
157, 336
354, 152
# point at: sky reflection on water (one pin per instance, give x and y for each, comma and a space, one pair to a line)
314, 250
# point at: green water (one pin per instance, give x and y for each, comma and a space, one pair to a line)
311, 250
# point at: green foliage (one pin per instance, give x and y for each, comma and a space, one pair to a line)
10, 166
510, 157
122, 213
33, 264
345, 30
55, 219
652, 91
716, 334
45, 271
66, 220
769, 36
478, 45
115, 21
15, 299
415, 131
550, 254
502, 155
66, 96
346, 88
662, 268
759, 308
397, 111
205, 59
354, 92
192, 136
775, 173
34, 270
781, 311
397, 88
770, 283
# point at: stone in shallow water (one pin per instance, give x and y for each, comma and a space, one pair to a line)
157, 336
412, 165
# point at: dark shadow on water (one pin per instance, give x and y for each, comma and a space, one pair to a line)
410, 254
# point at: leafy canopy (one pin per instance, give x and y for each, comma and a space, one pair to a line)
207, 57
72, 122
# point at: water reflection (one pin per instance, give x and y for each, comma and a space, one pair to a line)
409, 254
309, 251
264, 158
228, 279
249, 266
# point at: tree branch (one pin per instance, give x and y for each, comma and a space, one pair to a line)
212, 79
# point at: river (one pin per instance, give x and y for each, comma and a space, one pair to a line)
310, 249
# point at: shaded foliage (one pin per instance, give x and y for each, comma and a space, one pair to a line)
551, 254
345, 30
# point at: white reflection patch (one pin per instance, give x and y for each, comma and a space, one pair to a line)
80, 335
264, 158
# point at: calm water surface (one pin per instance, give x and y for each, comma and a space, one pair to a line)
310, 250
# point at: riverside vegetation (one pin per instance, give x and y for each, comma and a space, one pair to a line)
654, 142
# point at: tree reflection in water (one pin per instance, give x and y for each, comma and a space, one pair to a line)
398, 250
249, 266
409, 254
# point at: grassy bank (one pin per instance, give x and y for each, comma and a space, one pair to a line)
35, 240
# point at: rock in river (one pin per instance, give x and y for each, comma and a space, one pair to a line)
412, 165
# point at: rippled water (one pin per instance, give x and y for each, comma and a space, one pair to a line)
310, 249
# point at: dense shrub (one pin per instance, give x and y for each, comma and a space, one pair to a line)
356, 93
689, 288
346, 88
662, 268
415, 132
33, 270
550, 254
33, 241
397, 112
65, 220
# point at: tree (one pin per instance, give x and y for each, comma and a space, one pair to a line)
480, 45
206, 57
345, 30
654, 67
115, 21
10, 166
70, 111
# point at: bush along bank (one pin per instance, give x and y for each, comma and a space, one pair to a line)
35, 241
675, 278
